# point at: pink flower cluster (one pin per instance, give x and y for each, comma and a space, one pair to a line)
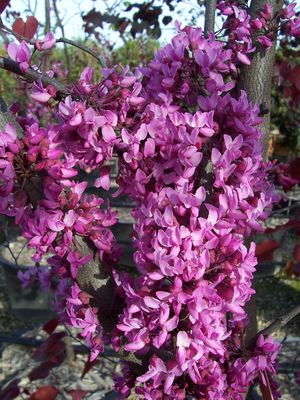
290, 20
190, 157
244, 32
201, 188
189, 66
21, 53
36, 166
244, 371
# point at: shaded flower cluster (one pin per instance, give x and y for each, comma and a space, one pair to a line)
54, 214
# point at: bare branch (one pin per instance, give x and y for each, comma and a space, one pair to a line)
210, 11
83, 48
274, 326
280, 322
47, 17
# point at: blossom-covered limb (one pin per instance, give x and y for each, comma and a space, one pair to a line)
33, 76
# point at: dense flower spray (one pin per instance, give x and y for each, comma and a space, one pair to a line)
190, 156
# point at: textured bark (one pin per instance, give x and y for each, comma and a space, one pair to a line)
95, 279
33, 76
210, 12
256, 78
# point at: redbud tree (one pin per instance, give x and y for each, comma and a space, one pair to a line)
189, 130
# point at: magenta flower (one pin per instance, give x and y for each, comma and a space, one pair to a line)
47, 43
265, 41
21, 54
266, 13
42, 94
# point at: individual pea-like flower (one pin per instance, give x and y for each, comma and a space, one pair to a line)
47, 43
21, 54
288, 11
42, 94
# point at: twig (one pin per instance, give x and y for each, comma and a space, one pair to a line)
275, 326
280, 322
83, 48
33, 76
60, 40
47, 17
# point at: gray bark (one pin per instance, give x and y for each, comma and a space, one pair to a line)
256, 78
210, 12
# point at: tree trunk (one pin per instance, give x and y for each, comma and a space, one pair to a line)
210, 12
256, 78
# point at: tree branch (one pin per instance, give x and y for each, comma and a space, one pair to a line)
80, 46
275, 325
83, 48
210, 11
47, 17
33, 76
280, 322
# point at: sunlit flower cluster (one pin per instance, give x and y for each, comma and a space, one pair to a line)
190, 156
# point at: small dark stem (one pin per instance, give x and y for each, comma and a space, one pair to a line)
275, 325
83, 48
60, 40
280, 322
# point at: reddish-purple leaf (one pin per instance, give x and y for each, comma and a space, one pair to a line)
297, 253
292, 223
48, 392
294, 76
41, 371
296, 270
265, 249
51, 349
50, 326
294, 168
27, 29
3, 5
289, 268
